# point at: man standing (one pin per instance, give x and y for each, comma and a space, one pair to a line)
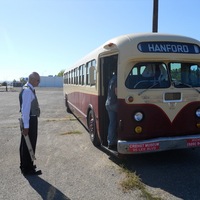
30, 111
111, 106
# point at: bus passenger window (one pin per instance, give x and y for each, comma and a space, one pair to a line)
65, 78
88, 65
80, 69
69, 78
83, 75
92, 75
75, 76
72, 76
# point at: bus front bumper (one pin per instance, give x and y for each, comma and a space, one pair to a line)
158, 144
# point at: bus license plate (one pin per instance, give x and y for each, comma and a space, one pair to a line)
144, 147
193, 142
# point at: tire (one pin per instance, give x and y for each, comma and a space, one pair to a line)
92, 128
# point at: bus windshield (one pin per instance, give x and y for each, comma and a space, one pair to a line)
148, 75
185, 74
160, 75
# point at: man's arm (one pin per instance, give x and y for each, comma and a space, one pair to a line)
26, 107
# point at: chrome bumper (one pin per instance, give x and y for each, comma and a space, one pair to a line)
158, 144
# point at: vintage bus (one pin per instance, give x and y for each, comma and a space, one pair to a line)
158, 86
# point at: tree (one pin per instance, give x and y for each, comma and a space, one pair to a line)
23, 80
61, 73
4, 83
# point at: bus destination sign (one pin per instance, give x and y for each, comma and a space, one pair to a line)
168, 47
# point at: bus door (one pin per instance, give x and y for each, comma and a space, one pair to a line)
107, 66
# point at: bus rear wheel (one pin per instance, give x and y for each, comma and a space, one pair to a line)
92, 128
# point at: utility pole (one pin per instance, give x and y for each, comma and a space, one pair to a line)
155, 16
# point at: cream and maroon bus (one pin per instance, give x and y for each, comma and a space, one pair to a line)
158, 84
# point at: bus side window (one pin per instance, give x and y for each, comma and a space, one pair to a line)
69, 78
88, 65
75, 76
80, 74
83, 75
65, 78
92, 75
92, 72
72, 76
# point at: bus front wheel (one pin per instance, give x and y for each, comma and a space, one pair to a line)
92, 128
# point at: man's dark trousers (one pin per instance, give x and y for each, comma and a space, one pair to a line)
26, 163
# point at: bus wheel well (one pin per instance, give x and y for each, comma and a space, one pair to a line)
91, 122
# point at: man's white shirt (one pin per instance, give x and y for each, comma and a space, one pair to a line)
27, 97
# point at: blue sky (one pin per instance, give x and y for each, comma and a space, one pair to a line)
49, 35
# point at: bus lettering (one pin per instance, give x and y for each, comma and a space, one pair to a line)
168, 48
144, 147
193, 142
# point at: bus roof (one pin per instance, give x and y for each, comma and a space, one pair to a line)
139, 37
131, 41
159, 36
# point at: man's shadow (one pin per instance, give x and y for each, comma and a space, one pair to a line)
45, 190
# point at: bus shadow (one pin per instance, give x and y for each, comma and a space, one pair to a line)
45, 189
176, 172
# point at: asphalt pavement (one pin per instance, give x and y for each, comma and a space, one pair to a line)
72, 168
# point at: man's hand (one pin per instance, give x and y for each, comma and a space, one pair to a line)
25, 131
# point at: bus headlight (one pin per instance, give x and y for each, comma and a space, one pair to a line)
198, 112
138, 116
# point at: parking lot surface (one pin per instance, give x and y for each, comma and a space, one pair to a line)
72, 168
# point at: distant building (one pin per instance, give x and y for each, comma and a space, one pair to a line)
51, 81
17, 84
45, 81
